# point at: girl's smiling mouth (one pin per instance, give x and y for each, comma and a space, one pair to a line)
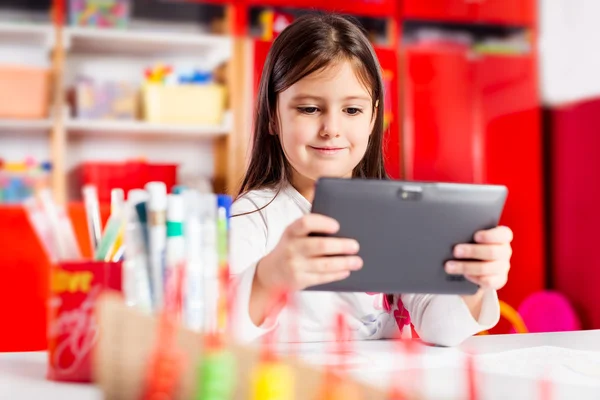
327, 150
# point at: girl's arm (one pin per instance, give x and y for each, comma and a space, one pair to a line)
474, 303
448, 320
248, 246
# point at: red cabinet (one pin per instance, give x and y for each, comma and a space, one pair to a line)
512, 12
575, 201
476, 119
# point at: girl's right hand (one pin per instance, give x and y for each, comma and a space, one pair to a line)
299, 260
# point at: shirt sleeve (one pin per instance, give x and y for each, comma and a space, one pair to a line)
445, 320
248, 245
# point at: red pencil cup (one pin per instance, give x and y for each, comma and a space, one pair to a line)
72, 327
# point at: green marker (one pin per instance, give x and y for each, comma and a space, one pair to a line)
109, 236
216, 376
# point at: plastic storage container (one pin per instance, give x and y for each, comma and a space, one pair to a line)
183, 104
28, 89
100, 13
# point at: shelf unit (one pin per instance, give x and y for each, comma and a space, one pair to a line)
26, 35
145, 129
142, 42
11, 126
152, 45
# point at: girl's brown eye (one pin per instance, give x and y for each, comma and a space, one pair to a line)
308, 110
353, 111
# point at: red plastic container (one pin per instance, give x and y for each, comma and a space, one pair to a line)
128, 175
72, 327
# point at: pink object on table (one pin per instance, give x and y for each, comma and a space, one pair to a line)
548, 311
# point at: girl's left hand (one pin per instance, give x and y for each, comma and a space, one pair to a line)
492, 252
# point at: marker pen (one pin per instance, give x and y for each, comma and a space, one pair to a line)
157, 208
175, 240
193, 301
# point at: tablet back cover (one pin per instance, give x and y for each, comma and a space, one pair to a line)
407, 230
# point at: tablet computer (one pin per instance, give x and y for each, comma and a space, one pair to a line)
407, 230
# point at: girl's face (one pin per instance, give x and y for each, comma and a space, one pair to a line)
325, 121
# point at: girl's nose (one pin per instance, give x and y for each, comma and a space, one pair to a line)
331, 126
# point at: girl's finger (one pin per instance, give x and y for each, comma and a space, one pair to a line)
321, 279
313, 223
477, 268
327, 265
498, 235
488, 281
483, 252
325, 246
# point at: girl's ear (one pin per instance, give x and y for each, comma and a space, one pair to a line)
272, 128
374, 118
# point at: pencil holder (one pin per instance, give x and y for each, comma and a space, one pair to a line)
73, 330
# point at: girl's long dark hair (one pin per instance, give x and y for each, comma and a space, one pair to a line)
309, 44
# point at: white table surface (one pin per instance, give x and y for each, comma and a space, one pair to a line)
22, 375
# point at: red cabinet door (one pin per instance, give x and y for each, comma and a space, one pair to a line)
512, 156
476, 120
439, 121
443, 10
372, 8
513, 12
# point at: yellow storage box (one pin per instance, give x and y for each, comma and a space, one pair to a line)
183, 104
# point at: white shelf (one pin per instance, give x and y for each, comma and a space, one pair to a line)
40, 35
10, 126
145, 129
143, 43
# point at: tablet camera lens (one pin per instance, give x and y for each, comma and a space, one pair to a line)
410, 193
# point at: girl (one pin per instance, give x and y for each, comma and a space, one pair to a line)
320, 113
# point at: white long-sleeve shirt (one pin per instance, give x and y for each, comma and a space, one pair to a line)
438, 319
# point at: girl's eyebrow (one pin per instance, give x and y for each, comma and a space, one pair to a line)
304, 97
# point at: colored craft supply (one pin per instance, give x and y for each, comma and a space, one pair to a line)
335, 387
41, 225
117, 198
545, 387
117, 247
178, 189
210, 261
471, 378
157, 208
336, 384
167, 361
223, 214
112, 231
175, 247
194, 305
217, 375
67, 246
396, 389
273, 380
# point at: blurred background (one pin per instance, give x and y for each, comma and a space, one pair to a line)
121, 92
